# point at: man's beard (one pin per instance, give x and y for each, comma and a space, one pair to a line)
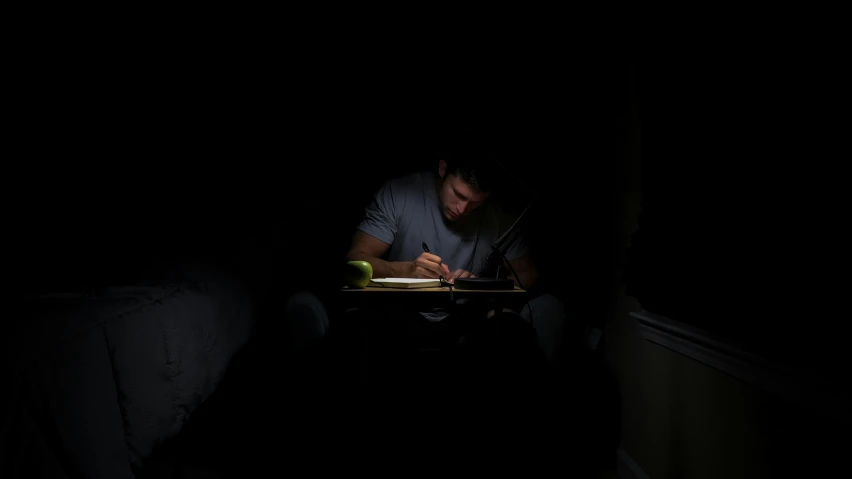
453, 222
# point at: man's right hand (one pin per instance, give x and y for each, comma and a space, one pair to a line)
427, 265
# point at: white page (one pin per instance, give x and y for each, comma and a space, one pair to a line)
403, 280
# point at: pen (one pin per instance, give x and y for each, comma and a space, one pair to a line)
426, 249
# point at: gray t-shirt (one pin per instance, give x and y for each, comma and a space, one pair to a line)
406, 212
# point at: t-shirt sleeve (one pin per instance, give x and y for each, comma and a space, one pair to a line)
380, 217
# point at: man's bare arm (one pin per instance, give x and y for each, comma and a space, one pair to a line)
368, 248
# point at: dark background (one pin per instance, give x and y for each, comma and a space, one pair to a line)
740, 195
125, 163
128, 165
128, 171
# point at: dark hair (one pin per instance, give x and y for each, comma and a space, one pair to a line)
476, 167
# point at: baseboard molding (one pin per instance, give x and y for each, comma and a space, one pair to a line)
627, 468
713, 351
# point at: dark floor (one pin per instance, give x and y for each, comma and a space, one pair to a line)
394, 413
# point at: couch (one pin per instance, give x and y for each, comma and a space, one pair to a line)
96, 380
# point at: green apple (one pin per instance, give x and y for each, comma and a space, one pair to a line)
357, 274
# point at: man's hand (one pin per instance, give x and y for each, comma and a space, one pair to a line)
459, 273
428, 265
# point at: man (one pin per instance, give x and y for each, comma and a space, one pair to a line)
450, 209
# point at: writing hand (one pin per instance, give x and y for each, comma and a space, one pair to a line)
427, 265
459, 273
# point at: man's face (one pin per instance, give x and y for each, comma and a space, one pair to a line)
458, 199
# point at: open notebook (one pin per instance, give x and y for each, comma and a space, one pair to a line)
406, 283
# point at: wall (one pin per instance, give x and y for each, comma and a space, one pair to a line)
682, 418
679, 418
